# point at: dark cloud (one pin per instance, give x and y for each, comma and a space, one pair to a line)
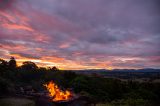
25, 55
5, 4
91, 32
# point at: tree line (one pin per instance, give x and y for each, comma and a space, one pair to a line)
98, 89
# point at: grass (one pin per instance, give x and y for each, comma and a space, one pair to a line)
16, 102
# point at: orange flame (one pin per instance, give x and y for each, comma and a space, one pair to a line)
56, 93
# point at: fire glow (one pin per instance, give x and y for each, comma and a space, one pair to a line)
56, 94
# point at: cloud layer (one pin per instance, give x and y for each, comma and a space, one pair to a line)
81, 34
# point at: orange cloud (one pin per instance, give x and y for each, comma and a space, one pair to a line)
17, 27
20, 59
14, 47
52, 59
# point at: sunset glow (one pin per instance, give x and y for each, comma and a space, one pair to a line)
98, 34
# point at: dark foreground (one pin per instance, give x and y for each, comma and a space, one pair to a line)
122, 89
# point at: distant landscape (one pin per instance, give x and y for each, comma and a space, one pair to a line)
148, 74
24, 85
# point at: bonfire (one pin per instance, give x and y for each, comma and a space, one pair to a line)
57, 94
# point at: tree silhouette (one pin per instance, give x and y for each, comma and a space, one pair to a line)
55, 68
28, 65
12, 63
3, 62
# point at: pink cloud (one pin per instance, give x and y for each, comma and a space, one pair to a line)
17, 27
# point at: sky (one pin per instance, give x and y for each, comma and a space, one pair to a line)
81, 34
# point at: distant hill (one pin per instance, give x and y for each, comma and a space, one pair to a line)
122, 73
119, 70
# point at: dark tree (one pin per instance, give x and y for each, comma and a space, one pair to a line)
12, 63
3, 67
28, 65
54, 68
3, 62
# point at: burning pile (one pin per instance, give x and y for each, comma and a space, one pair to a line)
56, 93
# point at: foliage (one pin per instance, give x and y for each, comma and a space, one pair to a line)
12, 63
98, 89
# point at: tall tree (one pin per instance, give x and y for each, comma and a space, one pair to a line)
12, 63
28, 65
3, 63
